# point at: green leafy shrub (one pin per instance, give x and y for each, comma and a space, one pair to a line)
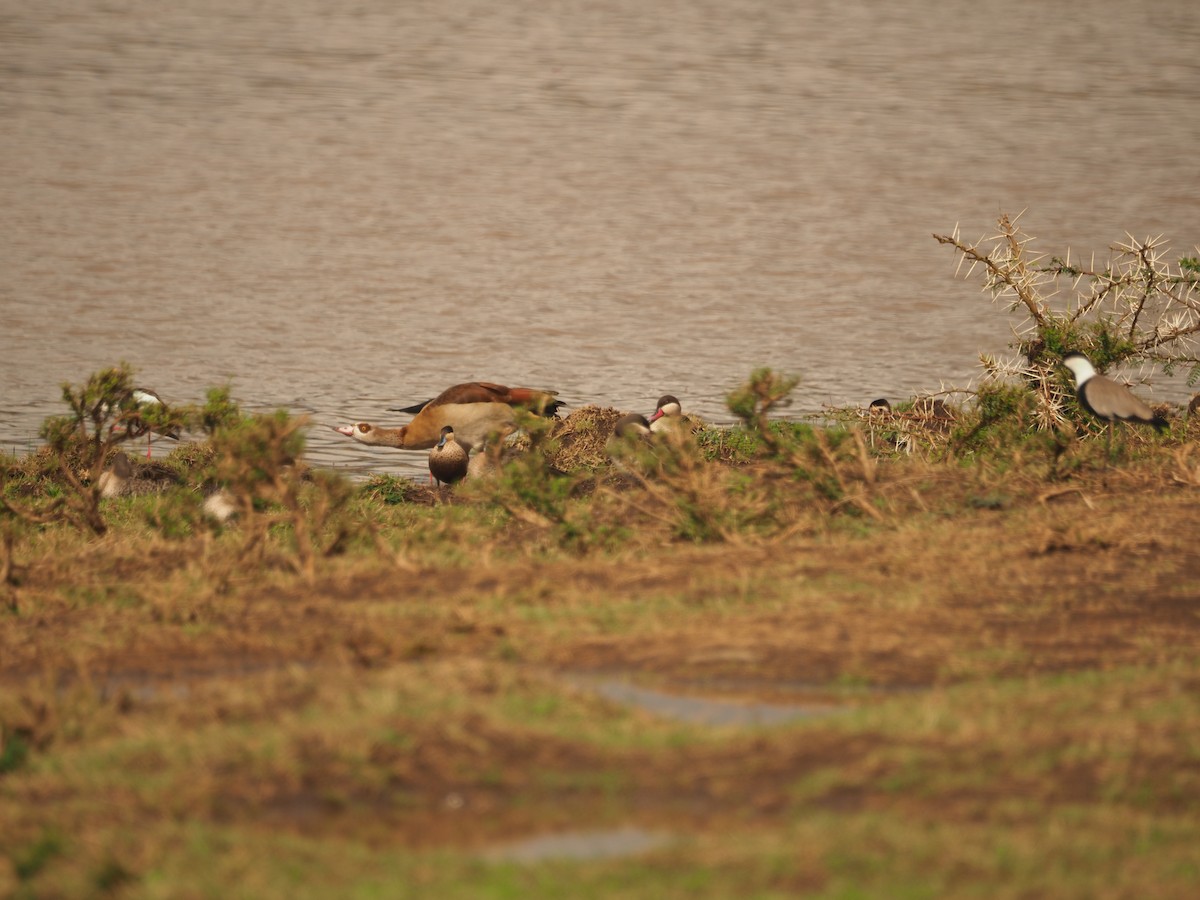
836, 462
529, 487
258, 461
679, 486
102, 415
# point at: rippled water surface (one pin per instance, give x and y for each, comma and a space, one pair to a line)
344, 206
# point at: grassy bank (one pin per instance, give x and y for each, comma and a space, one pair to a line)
1002, 646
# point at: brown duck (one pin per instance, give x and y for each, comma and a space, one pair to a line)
448, 459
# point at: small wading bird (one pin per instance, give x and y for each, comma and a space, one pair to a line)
475, 410
448, 459
145, 402
1105, 399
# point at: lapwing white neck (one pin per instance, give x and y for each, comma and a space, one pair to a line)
1081, 367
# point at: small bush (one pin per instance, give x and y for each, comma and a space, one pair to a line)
681, 488
529, 487
14, 750
103, 413
1136, 309
258, 460
836, 462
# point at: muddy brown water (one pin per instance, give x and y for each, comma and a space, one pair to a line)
342, 207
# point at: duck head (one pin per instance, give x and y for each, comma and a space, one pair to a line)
668, 405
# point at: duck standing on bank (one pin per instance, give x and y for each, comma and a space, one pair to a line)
475, 410
448, 459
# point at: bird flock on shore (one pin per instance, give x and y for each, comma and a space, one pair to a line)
464, 416
479, 416
464, 427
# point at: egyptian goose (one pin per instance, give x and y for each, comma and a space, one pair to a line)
474, 410
485, 463
448, 459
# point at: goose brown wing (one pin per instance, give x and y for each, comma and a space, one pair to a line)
469, 392
472, 392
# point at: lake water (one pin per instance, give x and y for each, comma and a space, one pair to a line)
339, 207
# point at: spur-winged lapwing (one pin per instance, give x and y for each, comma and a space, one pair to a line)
1105, 399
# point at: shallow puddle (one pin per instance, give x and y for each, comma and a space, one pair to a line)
702, 710
180, 684
580, 845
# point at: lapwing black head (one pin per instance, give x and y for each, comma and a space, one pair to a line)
1107, 400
